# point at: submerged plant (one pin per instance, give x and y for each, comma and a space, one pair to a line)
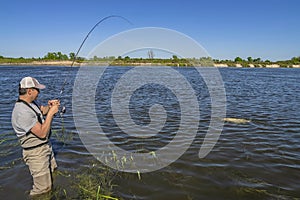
95, 182
62, 136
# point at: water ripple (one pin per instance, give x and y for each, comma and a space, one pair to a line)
255, 160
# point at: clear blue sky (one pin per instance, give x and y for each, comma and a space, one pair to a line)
268, 29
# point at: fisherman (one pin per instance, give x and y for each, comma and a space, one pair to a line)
34, 132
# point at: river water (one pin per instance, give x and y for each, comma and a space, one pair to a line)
258, 159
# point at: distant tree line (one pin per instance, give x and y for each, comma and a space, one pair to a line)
173, 61
203, 61
258, 62
50, 56
61, 56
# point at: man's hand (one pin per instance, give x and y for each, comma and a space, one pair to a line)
45, 109
53, 106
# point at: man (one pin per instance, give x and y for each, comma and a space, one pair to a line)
33, 132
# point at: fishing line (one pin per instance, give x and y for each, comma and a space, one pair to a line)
63, 109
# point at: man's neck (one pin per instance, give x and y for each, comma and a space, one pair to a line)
25, 98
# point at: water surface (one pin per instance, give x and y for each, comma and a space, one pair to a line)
256, 160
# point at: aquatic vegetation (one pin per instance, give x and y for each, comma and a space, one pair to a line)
3, 140
9, 139
62, 136
95, 182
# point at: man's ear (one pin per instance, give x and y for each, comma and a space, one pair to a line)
22, 91
29, 91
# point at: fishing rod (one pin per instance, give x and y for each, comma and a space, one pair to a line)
63, 109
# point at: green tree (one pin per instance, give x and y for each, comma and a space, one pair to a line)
54, 55
80, 58
295, 60
65, 57
62, 56
206, 61
238, 59
72, 55
48, 56
95, 58
51, 56
257, 60
59, 55
250, 59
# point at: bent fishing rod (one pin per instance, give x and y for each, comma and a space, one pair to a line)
63, 109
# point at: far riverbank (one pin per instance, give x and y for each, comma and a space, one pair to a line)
67, 63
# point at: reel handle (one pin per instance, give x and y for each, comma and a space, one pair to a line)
62, 111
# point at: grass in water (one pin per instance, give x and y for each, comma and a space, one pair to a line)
95, 182
62, 136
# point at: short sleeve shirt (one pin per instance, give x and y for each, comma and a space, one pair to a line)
24, 118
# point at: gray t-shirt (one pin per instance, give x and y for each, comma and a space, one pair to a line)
24, 118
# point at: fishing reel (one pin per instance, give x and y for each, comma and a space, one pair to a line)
62, 111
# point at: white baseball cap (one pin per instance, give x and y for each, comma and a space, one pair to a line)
29, 82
